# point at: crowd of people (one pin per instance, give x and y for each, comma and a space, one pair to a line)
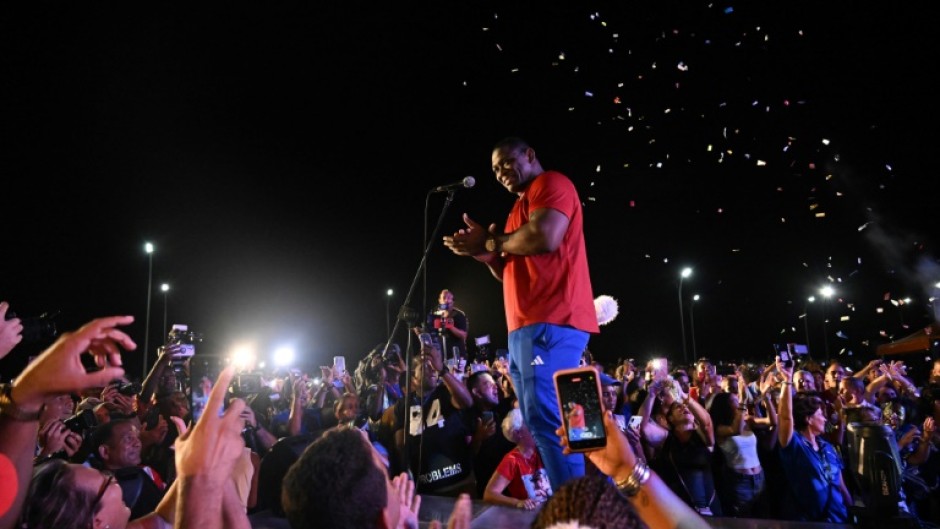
90, 448
87, 447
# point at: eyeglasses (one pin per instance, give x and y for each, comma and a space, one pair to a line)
109, 479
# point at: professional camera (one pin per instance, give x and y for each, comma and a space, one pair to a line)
82, 422
180, 334
37, 328
187, 339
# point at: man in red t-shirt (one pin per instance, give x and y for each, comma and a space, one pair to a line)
540, 258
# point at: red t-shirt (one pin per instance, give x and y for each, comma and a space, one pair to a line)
552, 287
526, 479
576, 417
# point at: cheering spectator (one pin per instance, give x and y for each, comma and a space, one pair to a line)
811, 466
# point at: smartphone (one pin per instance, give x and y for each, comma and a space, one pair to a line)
579, 403
783, 351
635, 422
426, 339
339, 366
203, 372
486, 416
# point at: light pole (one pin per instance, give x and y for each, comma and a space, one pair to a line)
686, 272
388, 318
148, 247
933, 303
827, 292
695, 298
809, 300
165, 288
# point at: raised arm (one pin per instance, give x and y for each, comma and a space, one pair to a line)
149, 387
703, 421
872, 365
542, 234
205, 460
58, 370
651, 434
785, 409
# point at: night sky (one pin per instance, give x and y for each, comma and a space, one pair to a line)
279, 157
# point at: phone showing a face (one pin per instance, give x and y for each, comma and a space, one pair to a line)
579, 403
203, 372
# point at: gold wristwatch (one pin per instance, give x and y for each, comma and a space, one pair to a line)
491, 244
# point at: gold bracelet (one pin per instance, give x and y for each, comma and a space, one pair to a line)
630, 486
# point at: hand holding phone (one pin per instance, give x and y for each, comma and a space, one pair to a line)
635, 422
339, 367
426, 339
579, 404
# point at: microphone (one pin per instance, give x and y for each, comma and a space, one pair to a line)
468, 181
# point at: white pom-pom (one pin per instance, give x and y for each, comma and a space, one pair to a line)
606, 308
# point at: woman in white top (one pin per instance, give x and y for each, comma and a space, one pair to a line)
740, 480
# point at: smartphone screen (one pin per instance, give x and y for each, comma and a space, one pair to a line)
203, 372
635, 422
426, 339
579, 402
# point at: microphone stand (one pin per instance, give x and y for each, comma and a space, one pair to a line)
410, 316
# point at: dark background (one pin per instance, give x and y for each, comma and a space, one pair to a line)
279, 155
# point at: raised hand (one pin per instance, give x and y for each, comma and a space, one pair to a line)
929, 428
410, 502
59, 368
469, 240
11, 331
615, 458
783, 369
211, 447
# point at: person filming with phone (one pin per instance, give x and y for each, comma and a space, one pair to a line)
629, 494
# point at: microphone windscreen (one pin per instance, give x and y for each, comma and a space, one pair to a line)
469, 181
